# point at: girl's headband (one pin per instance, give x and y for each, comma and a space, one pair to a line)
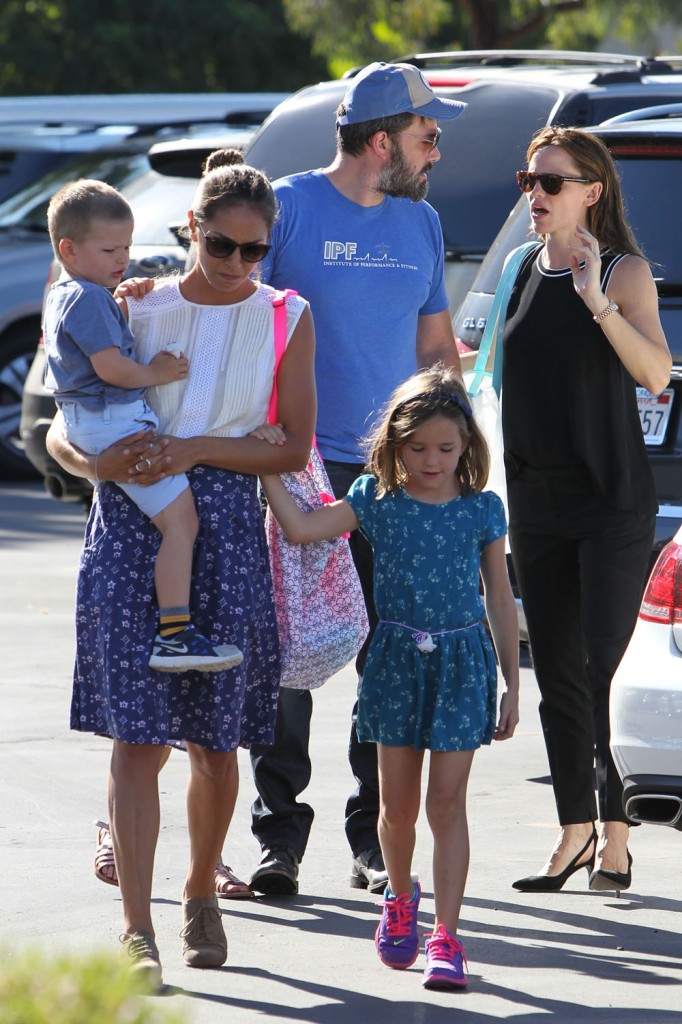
438, 395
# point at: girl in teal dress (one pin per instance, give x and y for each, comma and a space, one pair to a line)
430, 677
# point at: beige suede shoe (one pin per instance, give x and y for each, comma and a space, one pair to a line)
142, 956
205, 944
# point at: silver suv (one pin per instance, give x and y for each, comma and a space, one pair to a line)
159, 186
78, 142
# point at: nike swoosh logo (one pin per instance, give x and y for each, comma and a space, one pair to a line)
397, 942
177, 648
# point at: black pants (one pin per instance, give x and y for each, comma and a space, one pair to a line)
581, 568
281, 772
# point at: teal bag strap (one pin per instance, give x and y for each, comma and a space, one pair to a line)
496, 317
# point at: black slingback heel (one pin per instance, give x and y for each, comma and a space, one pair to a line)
552, 883
604, 880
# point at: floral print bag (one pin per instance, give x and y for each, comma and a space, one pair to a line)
321, 617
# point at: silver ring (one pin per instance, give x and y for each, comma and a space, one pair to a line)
137, 467
149, 463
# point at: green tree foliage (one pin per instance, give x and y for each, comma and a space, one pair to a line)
37, 989
351, 32
90, 46
360, 31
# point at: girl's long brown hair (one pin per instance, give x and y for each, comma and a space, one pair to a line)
437, 391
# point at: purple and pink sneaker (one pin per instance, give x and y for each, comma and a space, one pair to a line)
396, 937
445, 961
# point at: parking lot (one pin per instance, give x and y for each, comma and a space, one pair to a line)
572, 956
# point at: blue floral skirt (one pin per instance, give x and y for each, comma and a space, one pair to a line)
115, 693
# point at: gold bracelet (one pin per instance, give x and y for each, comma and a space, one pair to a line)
612, 307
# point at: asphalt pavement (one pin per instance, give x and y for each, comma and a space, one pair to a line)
308, 959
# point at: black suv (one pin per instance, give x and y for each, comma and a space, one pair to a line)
649, 158
511, 94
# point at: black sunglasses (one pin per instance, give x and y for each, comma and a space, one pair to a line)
222, 248
549, 183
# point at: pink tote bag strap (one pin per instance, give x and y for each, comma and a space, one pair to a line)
279, 306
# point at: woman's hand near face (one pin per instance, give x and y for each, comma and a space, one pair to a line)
585, 266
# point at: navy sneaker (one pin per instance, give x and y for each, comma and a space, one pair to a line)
396, 938
189, 650
445, 961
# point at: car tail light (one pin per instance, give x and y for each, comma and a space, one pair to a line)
643, 149
462, 346
449, 78
663, 595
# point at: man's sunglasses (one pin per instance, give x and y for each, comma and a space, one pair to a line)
431, 143
549, 183
222, 248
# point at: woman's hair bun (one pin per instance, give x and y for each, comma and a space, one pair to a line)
222, 158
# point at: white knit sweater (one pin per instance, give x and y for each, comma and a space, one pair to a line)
231, 358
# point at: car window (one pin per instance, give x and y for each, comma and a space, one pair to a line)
17, 167
28, 208
158, 201
646, 182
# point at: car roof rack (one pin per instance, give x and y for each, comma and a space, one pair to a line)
645, 66
513, 58
137, 127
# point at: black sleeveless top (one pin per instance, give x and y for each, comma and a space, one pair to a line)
568, 401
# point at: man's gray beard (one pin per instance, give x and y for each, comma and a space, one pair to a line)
399, 181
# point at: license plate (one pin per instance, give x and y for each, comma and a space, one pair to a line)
654, 413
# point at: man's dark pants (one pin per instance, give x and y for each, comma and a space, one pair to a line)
281, 772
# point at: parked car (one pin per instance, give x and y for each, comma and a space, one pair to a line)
646, 700
25, 251
511, 93
159, 186
648, 154
38, 133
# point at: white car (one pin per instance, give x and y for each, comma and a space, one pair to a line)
646, 700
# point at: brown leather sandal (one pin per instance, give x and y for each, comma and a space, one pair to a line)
228, 886
105, 866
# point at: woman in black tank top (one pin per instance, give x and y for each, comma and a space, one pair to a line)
582, 328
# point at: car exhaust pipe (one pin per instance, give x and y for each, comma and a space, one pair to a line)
59, 487
655, 809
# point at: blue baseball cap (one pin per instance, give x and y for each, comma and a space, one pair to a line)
381, 90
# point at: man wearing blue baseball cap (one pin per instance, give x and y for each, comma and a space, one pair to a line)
382, 90
355, 239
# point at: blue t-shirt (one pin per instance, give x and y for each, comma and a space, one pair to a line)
81, 319
368, 274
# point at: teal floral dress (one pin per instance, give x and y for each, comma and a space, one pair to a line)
430, 680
